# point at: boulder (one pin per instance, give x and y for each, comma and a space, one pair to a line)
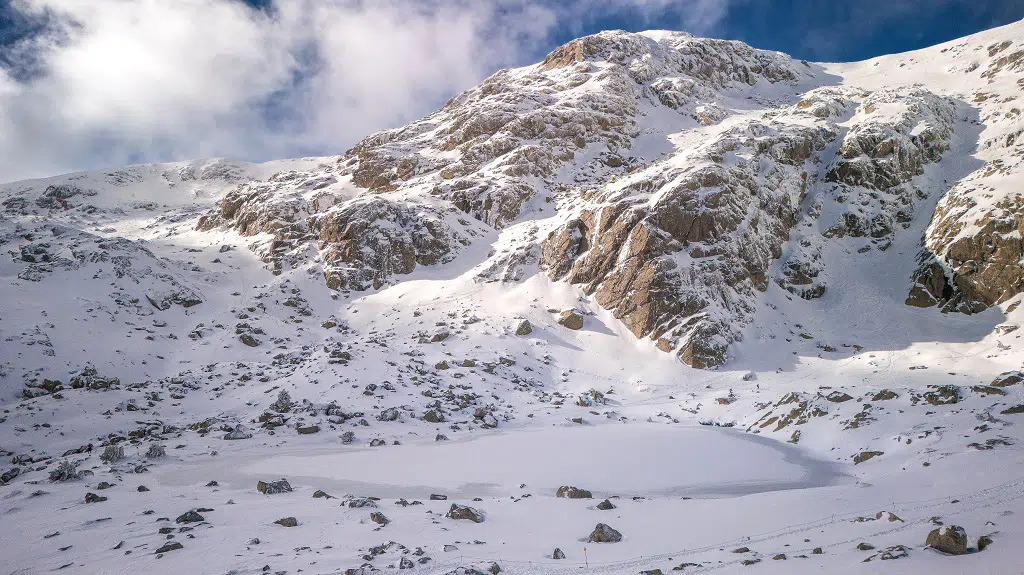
379, 518
170, 546
524, 328
239, 432
605, 505
464, 512
951, 540
557, 554
272, 487
571, 319
604, 534
360, 502
569, 492
93, 498
190, 517
389, 414
865, 455
287, 522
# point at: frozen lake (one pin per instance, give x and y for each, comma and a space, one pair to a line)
627, 460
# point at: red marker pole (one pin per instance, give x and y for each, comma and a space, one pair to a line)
585, 558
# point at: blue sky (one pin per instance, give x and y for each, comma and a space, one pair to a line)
101, 83
820, 30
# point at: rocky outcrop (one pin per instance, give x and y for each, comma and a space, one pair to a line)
678, 253
365, 243
972, 256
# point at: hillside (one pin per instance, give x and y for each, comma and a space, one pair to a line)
752, 302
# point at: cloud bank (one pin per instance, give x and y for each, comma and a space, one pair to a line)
103, 83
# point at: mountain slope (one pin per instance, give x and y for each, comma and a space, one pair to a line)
530, 274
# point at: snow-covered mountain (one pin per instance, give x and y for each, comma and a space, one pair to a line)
753, 301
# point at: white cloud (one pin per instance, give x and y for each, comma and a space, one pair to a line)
125, 81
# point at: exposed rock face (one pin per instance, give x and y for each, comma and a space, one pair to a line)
493, 148
360, 251
973, 247
952, 540
678, 251
674, 179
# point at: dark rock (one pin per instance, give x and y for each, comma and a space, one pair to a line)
272, 487
943, 395
951, 540
557, 554
605, 505
838, 397
287, 522
171, 546
571, 319
189, 517
573, 493
884, 395
604, 534
866, 455
465, 512
379, 518
524, 328
983, 542
894, 552
93, 498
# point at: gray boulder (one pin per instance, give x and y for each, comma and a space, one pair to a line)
465, 512
604, 534
524, 328
951, 540
570, 492
272, 487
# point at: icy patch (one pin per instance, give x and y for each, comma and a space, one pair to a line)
626, 460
